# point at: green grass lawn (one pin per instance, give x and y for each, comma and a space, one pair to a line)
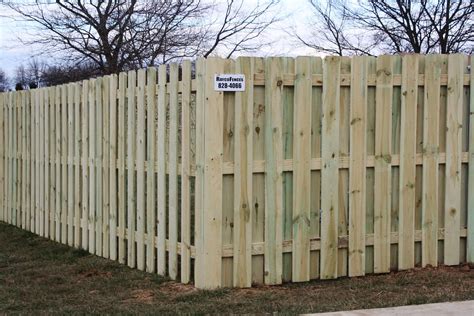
38, 275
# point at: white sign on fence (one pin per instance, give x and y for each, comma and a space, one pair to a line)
229, 82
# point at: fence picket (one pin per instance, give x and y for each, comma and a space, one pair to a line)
329, 172
470, 194
57, 127
92, 166
173, 172
150, 165
243, 157
85, 164
161, 178
112, 118
406, 243
140, 150
70, 166
105, 174
131, 151
302, 170
99, 194
357, 167
122, 147
185, 172
273, 171
383, 168
452, 207
430, 161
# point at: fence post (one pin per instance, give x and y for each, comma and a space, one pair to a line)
210, 119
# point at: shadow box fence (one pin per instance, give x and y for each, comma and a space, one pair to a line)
320, 168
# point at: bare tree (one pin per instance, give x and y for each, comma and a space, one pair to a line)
4, 83
118, 35
31, 75
393, 26
238, 28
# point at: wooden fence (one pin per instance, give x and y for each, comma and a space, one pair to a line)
321, 168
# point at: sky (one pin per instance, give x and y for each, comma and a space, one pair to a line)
296, 13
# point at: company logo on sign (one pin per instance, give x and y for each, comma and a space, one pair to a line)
229, 82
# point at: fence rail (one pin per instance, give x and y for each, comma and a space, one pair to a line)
321, 168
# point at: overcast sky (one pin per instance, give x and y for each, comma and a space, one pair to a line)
13, 53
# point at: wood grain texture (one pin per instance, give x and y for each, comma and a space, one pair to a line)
470, 215
452, 207
173, 172
273, 171
406, 245
430, 161
383, 168
329, 172
185, 173
357, 170
302, 170
161, 177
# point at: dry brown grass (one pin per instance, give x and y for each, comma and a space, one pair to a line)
37, 275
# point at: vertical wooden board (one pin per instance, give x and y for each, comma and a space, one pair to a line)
131, 156
39, 164
357, 166
8, 160
85, 164
199, 200
91, 163
287, 177
383, 168
442, 149
273, 171
185, 171
52, 162
140, 151
210, 221
150, 165
76, 164
243, 161
406, 228
396, 122
161, 178
57, 127
316, 113
113, 220
344, 152
228, 183
370, 173
105, 167
330, 166
302, 170
2, 156
430, 161
98, 162
14, 179
70, 166
470, 215
21, 172
173, 172
258, 194
64, 153
419, 168
122, 220
452, 207
23, 160
46, 163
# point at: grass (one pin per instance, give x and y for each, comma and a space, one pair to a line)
37, 275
